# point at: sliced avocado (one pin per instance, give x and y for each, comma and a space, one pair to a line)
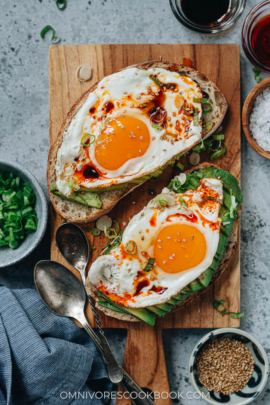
110, 306
186, 291
227, 200
83, 197
140, 313
157, 311
215, 263
172, 301
165, 307
179, 297
206, 277
195, 286
222, 244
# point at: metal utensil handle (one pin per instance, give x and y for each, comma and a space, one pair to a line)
128, 383
114, 370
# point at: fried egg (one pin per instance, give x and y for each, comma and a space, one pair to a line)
180, 232
133, 123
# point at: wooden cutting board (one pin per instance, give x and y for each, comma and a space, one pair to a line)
144, 355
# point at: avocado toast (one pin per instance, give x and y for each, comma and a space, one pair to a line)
84, 205
227, 243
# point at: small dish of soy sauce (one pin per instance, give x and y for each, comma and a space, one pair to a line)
208, 16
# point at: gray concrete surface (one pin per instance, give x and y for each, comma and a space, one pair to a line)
24, 125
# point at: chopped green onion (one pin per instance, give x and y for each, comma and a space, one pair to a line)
216, 154
149, 264
107, 119
158, 127
150, 191
196, 117
61, 4
169, 86
94, 231
110, 233
161, 203
87, 137
258, 79
182, 202
234, 315
200, 100
74, 185
117, 226
217, 304
209, 125
17, 215
93, 247
180, 166
257, 74
45, 29
204, 111
199, 148
218, 137
131, 247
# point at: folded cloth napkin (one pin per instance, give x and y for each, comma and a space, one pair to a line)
46, 359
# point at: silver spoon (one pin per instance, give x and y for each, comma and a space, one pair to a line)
64, 295
73, 245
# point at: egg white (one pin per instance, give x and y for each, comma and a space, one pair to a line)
117, 274
116, 88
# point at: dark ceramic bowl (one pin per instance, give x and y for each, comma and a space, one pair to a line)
9, 256
256, 383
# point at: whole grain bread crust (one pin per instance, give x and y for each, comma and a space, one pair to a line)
222, 267
75, 212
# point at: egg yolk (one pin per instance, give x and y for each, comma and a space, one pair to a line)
179, 247
124, 138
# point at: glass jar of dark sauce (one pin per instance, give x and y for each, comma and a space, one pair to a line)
208, 16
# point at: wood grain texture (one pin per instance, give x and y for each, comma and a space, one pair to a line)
222, 64
248, 106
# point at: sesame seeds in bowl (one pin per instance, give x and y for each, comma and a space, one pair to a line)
229, 366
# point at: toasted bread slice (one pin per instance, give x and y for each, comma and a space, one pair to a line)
222, 267
76, 212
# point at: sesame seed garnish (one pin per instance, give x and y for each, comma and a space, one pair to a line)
124, 223
164, 150
140, 151
130, 136
160, 240
160, 247
138, 97
124, 92
113, 133
154, 264
152, 277
192, 237
141, 137
131, 105
142, 237
132, 133
122, 126
153, 138
169, 237
133, 202
171, 258
183, 247
165, 261
138, 127
178, 233
179, 240
153, 157
184, 240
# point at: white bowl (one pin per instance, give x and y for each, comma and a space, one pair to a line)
256, 383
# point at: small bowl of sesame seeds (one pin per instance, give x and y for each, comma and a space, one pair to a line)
229, 366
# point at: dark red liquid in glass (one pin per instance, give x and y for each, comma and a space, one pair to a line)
206, 12
260, 40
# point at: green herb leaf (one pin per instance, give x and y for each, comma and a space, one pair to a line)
158, 127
